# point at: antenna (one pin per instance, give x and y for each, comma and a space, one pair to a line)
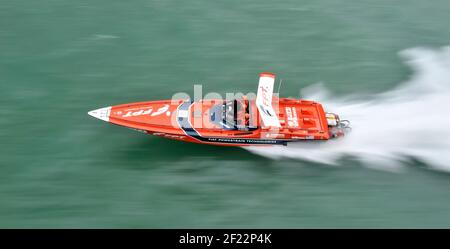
279, 86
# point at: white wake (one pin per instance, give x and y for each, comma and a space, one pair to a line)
410, 121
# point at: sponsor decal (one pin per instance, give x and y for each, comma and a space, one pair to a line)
264, 100
147, 111
162, 134
265, 111
139, 130
242, 141
275, 135
265, 96
304, 138
291, 114
160, 110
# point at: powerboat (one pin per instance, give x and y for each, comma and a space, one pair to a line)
242, 121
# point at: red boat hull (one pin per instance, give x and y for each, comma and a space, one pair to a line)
192, 122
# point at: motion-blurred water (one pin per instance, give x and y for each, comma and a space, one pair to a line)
61, 168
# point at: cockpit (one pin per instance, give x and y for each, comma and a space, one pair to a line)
233, 115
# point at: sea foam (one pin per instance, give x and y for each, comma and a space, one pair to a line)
412, 121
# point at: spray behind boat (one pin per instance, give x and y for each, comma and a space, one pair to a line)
336, 126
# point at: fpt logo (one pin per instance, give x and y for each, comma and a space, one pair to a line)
148, 111
265, 95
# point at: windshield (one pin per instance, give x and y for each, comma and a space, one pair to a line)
230, 115
232, 110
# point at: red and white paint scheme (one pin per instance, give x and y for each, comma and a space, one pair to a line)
266, 120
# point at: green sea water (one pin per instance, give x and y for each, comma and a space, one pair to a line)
60, 168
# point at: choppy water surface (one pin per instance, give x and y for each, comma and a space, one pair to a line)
384, 65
